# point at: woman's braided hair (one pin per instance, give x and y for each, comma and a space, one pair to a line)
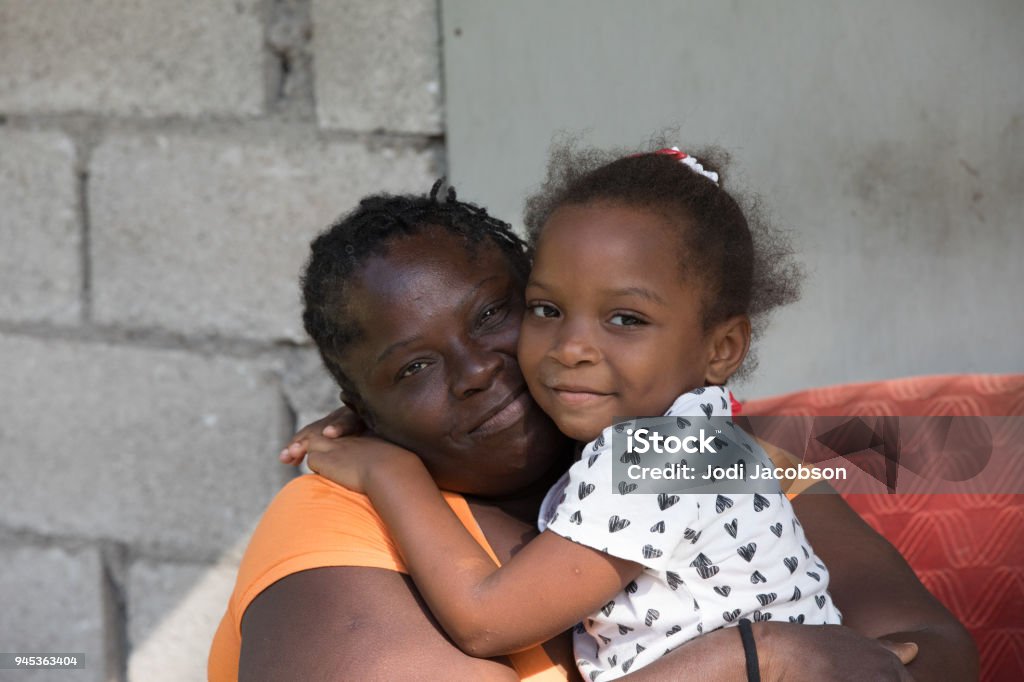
339, 253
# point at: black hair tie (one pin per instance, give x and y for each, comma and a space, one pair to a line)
749, 651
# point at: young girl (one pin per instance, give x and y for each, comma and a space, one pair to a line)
639, 303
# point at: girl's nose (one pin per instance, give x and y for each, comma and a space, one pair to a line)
574, 345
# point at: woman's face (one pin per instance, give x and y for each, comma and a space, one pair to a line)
435, 367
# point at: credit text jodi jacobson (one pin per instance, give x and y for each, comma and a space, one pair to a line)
735, 472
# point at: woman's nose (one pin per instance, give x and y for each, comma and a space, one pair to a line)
574, 345
476, 371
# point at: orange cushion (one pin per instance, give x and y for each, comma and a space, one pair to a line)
968, 550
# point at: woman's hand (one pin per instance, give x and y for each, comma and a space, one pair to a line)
352, 461
785, 651
830, 652
342, 422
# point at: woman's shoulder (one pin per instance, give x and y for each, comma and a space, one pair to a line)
313, 523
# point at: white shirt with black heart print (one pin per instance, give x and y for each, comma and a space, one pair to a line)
708, 560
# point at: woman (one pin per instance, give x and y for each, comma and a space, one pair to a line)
415, 306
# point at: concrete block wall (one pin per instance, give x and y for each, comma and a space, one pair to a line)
163, 167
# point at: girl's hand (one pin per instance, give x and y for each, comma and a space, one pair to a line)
342, 422
352, 461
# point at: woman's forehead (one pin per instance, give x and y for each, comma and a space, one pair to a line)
422, 278
429, 259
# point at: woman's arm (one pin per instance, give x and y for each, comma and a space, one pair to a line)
544, 589
345, 623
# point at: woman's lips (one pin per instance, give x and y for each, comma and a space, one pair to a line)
506, 416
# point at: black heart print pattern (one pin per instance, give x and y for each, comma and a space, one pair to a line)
630, 458
615, 524
665, 501
705, 569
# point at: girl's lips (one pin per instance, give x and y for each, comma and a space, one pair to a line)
578, 397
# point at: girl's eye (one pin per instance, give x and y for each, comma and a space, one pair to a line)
543, 310
624, 320
412, 368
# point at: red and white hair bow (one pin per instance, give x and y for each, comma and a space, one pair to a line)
688, 160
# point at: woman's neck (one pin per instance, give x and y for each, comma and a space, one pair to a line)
524, 504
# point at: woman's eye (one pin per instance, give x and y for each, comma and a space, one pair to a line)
543, 310
412, 368
623, 320
494, 313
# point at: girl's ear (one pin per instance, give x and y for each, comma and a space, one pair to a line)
730, 341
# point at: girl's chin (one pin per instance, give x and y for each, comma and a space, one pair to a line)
583, 433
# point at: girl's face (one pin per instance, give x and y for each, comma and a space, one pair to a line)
435, 367
612, 329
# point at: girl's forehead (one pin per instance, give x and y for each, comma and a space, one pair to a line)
608, 232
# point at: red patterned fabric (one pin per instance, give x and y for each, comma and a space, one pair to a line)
968, 550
